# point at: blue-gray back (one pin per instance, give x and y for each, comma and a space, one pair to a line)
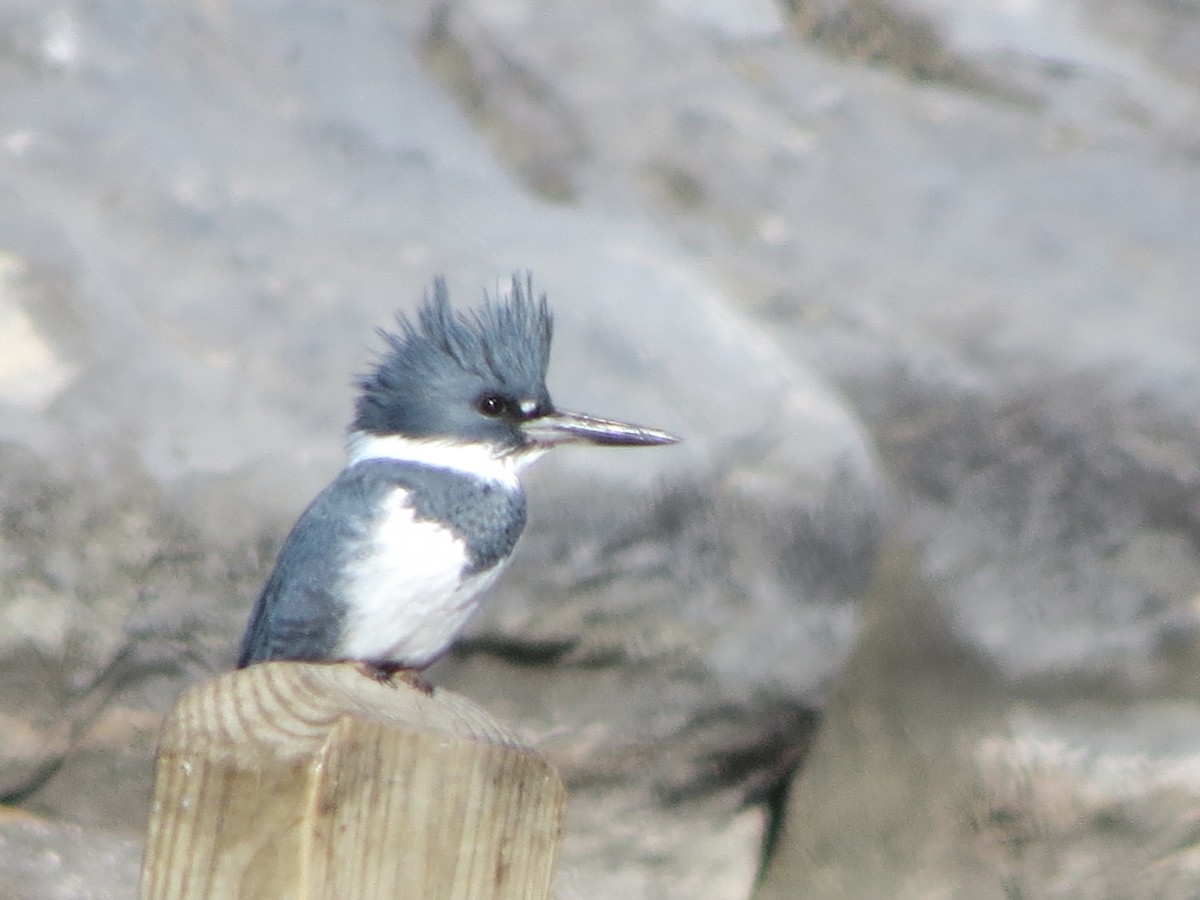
300, 614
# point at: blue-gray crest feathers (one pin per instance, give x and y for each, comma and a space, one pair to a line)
503, 345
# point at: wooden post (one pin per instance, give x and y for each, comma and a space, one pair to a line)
290, 780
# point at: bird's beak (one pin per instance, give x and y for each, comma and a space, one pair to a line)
561, 427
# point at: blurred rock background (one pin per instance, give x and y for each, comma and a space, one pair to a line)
913, 612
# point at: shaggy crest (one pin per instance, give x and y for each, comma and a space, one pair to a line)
504, 345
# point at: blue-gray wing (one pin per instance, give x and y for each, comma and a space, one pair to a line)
300, 612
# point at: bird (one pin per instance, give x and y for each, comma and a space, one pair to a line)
388, 562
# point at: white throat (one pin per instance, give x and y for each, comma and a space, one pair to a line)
477, 460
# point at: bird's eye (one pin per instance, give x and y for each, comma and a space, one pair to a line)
492, 405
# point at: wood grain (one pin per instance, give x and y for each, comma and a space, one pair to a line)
316, 781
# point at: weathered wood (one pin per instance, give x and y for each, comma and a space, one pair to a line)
289, 780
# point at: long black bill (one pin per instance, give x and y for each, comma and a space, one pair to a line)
561, 427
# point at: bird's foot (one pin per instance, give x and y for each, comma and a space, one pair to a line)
387, 673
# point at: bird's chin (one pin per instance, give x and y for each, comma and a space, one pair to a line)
527, 454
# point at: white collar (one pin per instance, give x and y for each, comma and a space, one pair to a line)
476, 460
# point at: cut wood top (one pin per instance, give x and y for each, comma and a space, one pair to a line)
292, 708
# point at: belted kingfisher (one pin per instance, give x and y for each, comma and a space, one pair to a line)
387, 563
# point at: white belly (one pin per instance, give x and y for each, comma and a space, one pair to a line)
406, 603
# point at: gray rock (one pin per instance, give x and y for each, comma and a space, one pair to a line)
205, 216
53, 861
971, 227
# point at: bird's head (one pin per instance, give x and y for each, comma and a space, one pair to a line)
457, 380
